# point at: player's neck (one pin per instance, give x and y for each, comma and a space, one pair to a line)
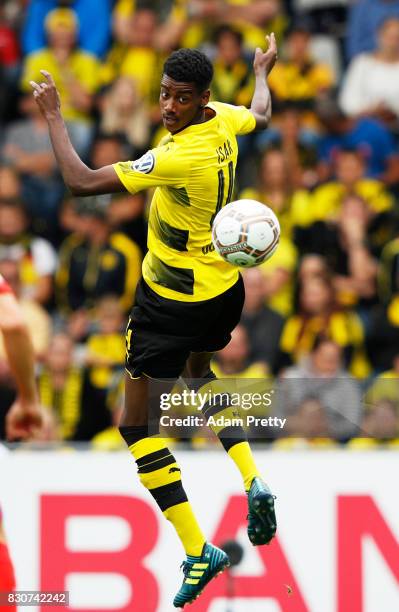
203, 115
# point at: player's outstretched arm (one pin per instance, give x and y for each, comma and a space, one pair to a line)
24, 418
80, 179
261, 105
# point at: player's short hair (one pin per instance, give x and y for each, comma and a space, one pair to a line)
190, 66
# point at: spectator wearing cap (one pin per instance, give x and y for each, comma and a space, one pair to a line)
76, 74
94, 19
37, 258
95, 261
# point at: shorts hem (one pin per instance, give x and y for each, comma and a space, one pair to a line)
161, 378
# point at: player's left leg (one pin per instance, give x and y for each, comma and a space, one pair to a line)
262, 523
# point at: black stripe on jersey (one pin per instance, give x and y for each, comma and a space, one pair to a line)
160, 454
157, 465
173, 237
231, 182
169, 495
179, 195
177, 279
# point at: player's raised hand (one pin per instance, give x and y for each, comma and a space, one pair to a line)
264, 61
46, 95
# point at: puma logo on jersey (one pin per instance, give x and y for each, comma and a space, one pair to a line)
174, 469
224, 152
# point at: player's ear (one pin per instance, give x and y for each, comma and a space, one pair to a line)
205, 97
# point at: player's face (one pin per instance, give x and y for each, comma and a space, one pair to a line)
180, 103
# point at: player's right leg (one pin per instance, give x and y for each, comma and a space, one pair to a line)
157, 350
157, 468
160, 474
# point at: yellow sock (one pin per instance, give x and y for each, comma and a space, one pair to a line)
160, 474
183, 520
242, 456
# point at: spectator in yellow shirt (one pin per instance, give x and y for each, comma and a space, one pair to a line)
275, 189
350, 173
105, 349
142, 62
233, 79
191, 22
299, 78
318, 313
75, 72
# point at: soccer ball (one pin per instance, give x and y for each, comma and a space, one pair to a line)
245, 233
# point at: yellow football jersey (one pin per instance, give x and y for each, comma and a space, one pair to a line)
193, 172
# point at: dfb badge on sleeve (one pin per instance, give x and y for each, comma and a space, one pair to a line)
145, 164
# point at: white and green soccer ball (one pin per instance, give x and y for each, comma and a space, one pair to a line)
245, 233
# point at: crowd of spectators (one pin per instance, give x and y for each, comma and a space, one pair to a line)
321, 317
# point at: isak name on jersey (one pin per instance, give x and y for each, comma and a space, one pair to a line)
224, 151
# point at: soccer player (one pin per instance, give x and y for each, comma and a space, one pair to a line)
24, 418
189, 299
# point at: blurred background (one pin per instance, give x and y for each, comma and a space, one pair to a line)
324, 309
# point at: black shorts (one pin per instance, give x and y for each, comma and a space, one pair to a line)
162, 333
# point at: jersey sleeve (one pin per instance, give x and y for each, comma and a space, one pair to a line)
241, 118
158, 167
